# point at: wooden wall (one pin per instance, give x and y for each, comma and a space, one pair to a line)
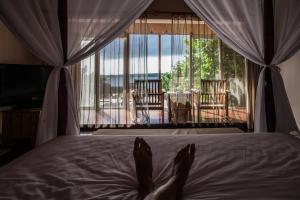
12, 51
169, 6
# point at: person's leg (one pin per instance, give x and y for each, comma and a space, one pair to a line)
172, 190
143, 163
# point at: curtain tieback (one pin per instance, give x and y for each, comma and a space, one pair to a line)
60, 67
274, 67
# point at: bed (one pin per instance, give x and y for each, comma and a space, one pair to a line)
227, 166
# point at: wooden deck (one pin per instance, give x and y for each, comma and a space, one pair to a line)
122, 117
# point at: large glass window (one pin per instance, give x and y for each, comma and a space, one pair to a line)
180, 59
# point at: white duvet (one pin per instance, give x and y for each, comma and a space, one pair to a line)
227, 166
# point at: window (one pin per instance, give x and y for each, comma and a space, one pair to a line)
180, 60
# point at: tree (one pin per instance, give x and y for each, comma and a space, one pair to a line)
205, 58
205, 65
165, 79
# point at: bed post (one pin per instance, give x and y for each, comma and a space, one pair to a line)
62, 90
268, 56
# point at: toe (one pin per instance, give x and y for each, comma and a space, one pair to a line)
145, 144
136, 146
148, 148
178, 155
193, 149
192, 154
186, 150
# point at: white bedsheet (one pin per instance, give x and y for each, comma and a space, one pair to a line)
227, 166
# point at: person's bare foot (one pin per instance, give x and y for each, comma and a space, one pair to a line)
182, 165
143, 162
172, 189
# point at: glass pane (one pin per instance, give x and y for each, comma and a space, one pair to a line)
87, 95
234, 72
205, 60
111, 75
175, 62
143, 56
153, 57
166, 61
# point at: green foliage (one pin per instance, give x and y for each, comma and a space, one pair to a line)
205, 65
180, 76
165, 79
205, 58
233, 63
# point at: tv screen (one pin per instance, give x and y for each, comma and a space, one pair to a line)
23, 86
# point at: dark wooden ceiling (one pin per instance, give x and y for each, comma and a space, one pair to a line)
169, 6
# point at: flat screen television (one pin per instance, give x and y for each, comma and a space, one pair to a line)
23, 86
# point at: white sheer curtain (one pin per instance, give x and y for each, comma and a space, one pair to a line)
179, 42
140, 53
99, 22
36, 23
239, 23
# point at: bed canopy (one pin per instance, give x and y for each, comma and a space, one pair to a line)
266, 32
63, 32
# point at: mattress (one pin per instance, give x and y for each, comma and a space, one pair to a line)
227, 166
